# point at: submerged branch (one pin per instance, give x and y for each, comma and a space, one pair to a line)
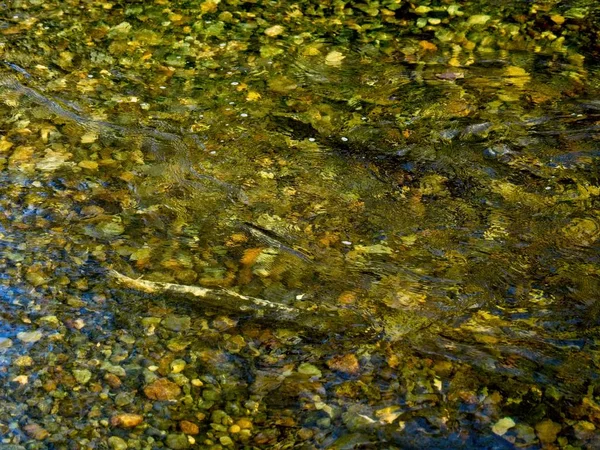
320, 320
216, 298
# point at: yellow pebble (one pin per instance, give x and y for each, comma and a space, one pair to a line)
244, 424
234, 429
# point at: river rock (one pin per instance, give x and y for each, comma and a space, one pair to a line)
117, 443
309, 369
36, 432
30, 336
126, 420
547, 430
345, 363
113, 380
82, 375
177, 323
177, 441
162, 389
189, 427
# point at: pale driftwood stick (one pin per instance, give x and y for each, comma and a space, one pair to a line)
216, 298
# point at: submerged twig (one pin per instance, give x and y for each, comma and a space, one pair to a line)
318, 320
272, 240
216, 298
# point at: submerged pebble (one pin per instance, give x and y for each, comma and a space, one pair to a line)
162, 389
177, 441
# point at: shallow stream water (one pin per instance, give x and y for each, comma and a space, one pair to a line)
240, 224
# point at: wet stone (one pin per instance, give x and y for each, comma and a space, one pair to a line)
226, 441
497, 151
547, 430
309, 369
124, 398
305, 433
127, 339
30, 336
188, 427
36, 432
51, 321
24, 361
178, 344
177, 323
82, 375
162, 389
346, 364
114, 369
113, 380
126, 420
177, 366
117, 443
177, 441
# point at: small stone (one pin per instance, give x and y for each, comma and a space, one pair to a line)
502, 426
127, 339
117, 443
244, 424
525, 434
49, 386
478, 19
497, 151
234, 429
21, 379
36, 432
162, 389
177, 323
547, 430
309, 369
177, 441
177, 366
178, 344
334, 58
126, 420
111, 228
275, 30
124, 398
150, 321
226, 441
5, 342
24, 361
114, 369
346, 364
90, 165
113, 380
89, 137
82, 375
30, 336
188, 427
223, 323
78, 324
305, 433
51, 321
